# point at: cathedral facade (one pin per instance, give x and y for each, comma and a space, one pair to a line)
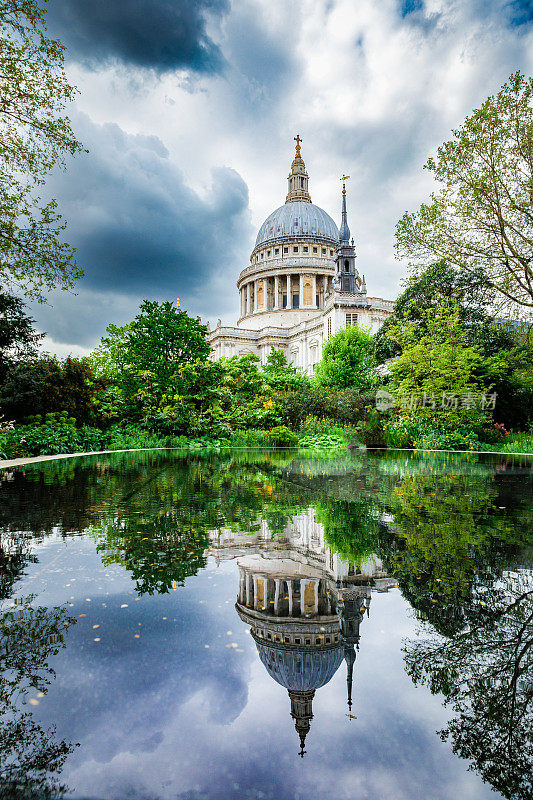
302, 284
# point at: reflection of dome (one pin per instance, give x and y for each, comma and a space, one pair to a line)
300, 669
298, 220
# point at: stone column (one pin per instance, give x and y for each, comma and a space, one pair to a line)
255, 592
277, 581
248, 588
316, 597
289, 592
315, 304
247, 298
303, 584
289, 291
301, 291
255, 295
276, 292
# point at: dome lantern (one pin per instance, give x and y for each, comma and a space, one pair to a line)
298, 178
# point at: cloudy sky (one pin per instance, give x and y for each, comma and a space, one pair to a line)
189, 108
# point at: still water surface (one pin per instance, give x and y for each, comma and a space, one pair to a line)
257, 625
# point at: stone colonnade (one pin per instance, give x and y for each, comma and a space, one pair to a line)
283, 597
269, 294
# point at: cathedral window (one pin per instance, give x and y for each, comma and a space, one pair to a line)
294, 249
331, 252
262, 255
346, 266
268, 252
323, 251
296, 640
276, 251
285, 249
315, 249
351, 319
306, 249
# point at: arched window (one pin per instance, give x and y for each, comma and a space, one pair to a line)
346, 266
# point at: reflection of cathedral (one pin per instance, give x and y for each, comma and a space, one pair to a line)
303, 604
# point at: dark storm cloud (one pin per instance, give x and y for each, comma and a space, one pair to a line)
160, 34
521, 12
140, 231
136, 225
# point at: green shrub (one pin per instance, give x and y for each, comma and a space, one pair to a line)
323, 442
281, 436
371, 430
448, 441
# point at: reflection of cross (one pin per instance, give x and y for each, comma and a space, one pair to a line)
297, 139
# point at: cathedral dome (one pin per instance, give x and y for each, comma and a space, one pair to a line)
298, 219
299, 669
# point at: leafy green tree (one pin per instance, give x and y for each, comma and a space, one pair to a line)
161, 337
280, 375
433, 366
109, 358
18, 338
35, 135
348, 361
50, 385
480, 217
437, 285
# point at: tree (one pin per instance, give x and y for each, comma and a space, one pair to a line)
162, 337
348, 360
437, 362
35, 135
281, 375
17, 336
108, 359
481, 216
440, 284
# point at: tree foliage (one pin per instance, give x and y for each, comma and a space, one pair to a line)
18, 338
35, 135
347, 361
481, 216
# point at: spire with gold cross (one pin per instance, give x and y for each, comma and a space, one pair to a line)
298, 177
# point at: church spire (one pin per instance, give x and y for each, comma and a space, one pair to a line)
344, 233
302, 713
298, 177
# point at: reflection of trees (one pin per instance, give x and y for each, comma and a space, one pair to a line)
350, 528
447, 538
30, 758
159, 528
457, 556
485, 673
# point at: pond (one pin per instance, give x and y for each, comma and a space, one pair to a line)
260, 625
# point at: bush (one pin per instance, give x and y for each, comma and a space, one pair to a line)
448, 441
323, 442
281, 436
371, 430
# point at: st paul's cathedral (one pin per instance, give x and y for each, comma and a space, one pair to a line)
302, 284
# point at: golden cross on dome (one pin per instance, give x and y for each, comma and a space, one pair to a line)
344, 179
298, 139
